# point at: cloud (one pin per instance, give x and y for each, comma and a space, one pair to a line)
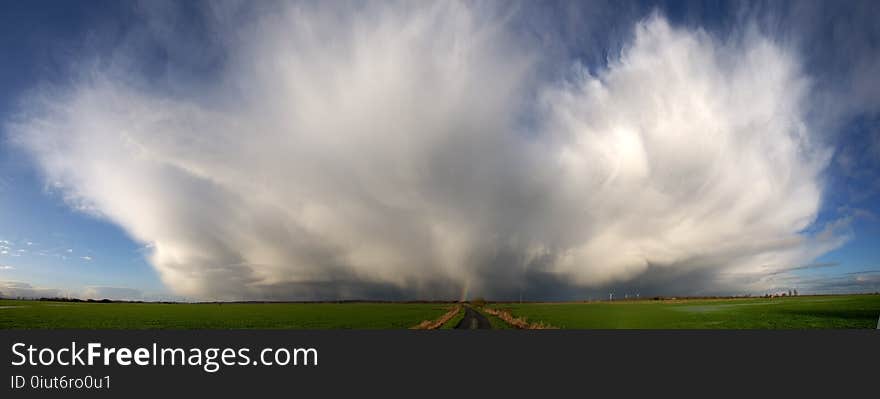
810, 266
14, 289
6, 267
853, 282
687, 148
17, 289
114, 293
399, 153
86, 258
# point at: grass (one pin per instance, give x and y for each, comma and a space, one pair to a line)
454, 320
497, 324
44, 314
844, 311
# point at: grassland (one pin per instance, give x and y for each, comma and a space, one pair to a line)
845, 311
849, 311
497, 324
40, 314
454, 320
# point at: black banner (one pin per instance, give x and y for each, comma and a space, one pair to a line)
433, 363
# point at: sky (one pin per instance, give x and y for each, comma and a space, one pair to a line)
396, 150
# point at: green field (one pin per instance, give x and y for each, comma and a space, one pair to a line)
844, 311
453, 322
850, 311
40, 314
497, 324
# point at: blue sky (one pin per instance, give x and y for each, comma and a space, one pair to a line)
199, 55
51, 245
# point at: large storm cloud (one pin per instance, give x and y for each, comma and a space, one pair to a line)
424, 151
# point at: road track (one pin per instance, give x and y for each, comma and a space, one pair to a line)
473, 320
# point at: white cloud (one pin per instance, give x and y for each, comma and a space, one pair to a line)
6, 267
687, 148
382, 152
86, 258
15, 289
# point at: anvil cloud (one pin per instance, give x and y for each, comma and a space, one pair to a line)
419, 151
